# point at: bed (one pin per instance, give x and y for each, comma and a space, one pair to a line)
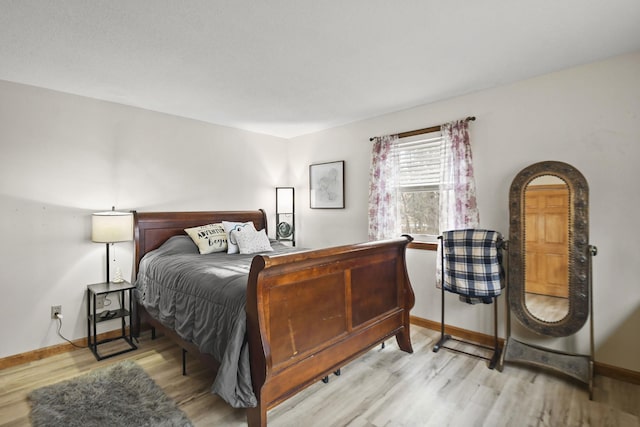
306, 313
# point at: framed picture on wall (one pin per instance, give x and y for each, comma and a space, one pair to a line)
326, 185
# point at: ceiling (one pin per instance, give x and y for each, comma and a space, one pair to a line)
292, 67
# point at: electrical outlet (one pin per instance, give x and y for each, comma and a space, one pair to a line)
55, 309
100, 301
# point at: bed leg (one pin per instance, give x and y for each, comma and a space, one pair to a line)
256, 417
404, 340
326, 378
184, 362
135, 324
153, 333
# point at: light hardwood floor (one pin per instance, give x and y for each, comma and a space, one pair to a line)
385, 387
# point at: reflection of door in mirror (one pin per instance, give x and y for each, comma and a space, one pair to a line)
547, 248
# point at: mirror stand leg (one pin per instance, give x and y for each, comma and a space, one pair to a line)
592, 252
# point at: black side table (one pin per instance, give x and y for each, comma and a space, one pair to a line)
94, 317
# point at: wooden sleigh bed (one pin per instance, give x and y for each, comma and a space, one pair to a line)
308, 313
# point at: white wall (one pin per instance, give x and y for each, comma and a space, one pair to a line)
63, 157
587, 116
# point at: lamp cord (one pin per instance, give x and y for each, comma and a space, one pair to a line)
62, 336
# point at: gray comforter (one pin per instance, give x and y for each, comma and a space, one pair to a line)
202, 298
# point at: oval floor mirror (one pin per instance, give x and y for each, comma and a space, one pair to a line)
549, 271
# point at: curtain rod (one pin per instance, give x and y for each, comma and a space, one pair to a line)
425, 130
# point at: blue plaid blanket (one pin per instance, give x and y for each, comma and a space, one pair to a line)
473, 264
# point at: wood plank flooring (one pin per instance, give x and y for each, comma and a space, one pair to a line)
385, 387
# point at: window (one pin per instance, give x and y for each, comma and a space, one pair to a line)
418, 163
421, 183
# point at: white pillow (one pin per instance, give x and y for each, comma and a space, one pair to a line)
251, 242
209, 238
239, 227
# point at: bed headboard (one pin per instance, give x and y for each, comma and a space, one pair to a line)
152, 229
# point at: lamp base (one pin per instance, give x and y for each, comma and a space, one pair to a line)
118, 278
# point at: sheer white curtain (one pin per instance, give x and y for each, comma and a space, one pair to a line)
383, 202
458, 208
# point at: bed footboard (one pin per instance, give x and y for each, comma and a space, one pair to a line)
310, 313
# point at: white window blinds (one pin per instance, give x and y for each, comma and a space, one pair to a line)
419, 161
418, 180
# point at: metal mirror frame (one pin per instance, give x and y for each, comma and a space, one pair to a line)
578, 262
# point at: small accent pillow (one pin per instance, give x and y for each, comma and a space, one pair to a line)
252, 242
238, 227
209, 238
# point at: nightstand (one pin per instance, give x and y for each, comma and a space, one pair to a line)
94, 317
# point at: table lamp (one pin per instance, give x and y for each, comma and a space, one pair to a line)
111, 227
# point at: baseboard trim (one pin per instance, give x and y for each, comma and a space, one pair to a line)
599, 368
465, 334
616, 373
32, 356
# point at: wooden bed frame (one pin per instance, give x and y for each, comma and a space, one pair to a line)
308, 313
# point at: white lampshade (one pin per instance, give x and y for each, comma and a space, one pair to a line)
111, 227
284, 200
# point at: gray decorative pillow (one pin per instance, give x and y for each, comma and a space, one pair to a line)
238, 227
209, 238
252, 242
